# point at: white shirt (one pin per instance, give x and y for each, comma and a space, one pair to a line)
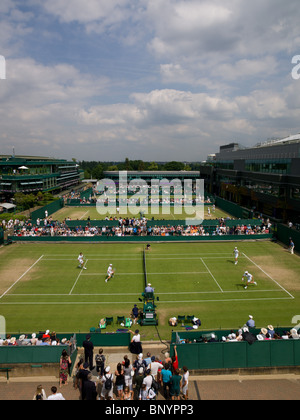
185, 378
154, 366
248, 276
136, 338
110, 270
148, 381
57, 397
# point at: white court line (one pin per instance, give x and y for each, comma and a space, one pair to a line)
211, 275
77, 278
20, 278
84, 215
137, 292
269, 276
137, 259
126, 303
92, 259
228, 254
148, 274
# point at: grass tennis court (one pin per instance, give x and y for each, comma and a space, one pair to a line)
83, 212
42, 287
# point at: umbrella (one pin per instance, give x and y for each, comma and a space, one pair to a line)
23, 167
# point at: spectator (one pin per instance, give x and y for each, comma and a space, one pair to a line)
154, 366
120, 380
64, 363
168, 360
185, 383
175, 385
139, 378
57, 396
175, 360
76, 381
83, 377
166, 375
294, 334
46, 334
143, 394
107, 384
148, 358
33, 339
128, 373
148, 380
40, 394
271, 331
90, 393
128, 394
100, 363
139, 363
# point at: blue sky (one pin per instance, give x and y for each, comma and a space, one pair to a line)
153, 80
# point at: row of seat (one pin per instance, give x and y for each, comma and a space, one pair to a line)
109, 320
185, 319
121, 320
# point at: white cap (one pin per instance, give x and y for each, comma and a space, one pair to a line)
107, 369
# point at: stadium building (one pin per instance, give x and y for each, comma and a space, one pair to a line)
265, 177
148, 176
27, 174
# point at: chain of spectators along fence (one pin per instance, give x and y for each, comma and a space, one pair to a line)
132, 227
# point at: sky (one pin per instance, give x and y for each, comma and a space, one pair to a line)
155, 80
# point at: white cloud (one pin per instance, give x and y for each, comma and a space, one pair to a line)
190, 75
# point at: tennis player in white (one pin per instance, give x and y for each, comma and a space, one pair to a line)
110, 273
249, 279
81, 261
236, 253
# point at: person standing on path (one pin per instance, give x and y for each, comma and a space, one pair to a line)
88, 351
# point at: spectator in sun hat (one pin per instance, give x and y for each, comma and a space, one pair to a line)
271, 331
294, 334
20, 340
250, 323
33, 339
264, 332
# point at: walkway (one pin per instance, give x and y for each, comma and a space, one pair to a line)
223, 387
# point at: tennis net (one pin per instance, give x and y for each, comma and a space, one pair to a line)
145, 268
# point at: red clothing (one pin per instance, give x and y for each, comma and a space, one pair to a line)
175, 364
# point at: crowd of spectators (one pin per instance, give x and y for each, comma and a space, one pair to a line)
133, 227
248, 332
46, 338
141, 379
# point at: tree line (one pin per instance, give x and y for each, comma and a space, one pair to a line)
93, 169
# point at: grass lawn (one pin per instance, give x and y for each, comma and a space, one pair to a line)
83, 212
41, 286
